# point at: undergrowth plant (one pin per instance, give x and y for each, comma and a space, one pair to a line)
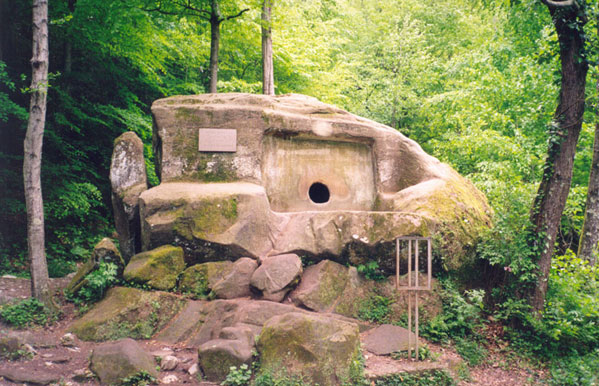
26, 313
375, 309
96, 284
429, 378
238, 376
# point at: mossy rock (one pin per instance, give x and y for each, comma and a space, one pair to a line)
320, 349
198, 280
127, 313
115, 361
158, 268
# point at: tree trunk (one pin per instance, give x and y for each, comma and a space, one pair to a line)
565, 129
33, 152
588, 247
215, 20
268, 77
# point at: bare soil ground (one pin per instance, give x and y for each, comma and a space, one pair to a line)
68, 365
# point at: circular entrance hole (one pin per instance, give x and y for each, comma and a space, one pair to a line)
319, 193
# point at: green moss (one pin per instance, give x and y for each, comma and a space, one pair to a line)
199, 279
158, 268
127, 312
208, 217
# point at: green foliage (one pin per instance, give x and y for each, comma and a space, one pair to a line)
471, 350
141, 378
461, 316
7, 106
371, 271
428, 378
238, 376
423, 353
96, 284
26, 313
279, 379
375, 309
576, 370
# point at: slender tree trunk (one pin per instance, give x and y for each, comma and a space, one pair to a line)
215, 20
567, 122
588, 247
268, 76
33, 152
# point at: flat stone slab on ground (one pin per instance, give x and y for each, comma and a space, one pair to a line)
386, 339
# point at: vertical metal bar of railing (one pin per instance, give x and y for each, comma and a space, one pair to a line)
413, 257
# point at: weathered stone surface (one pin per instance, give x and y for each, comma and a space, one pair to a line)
169, 363
382, 184
158, 268
128, 180
113, 361
321, 349
276, 275
387, 339
217, 356
30, 378
104, 251
236, 284
199, 279
321, 286
210, 221
127, 312
10, 344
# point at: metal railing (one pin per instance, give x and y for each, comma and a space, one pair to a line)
413, 254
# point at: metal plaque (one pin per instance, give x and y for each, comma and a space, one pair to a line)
218, 140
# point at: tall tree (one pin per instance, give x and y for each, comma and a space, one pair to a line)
588, 248
210, 12
568, 18
268, 76
33, 152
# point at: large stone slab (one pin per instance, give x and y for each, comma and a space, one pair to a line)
114, 361
209, 221
387, 339
127, 313
313, 159
128, 179
320, 349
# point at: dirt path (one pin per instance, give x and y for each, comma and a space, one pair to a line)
68, 364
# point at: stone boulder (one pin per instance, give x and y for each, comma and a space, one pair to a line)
307, 178
104, 251
320, 349
276, 276
128, 180
210, 222
322, 286
387, 339
127, 312
113, 361
234, 347
198, 280
158, 268
11, 346
236, 283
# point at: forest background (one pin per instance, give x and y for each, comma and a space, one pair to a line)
474, 82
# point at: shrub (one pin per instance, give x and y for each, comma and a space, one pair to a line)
429, 378
461, 317
375, 309
238, 376
97, 282
25, 313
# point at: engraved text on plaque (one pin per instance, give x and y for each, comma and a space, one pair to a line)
218, 140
